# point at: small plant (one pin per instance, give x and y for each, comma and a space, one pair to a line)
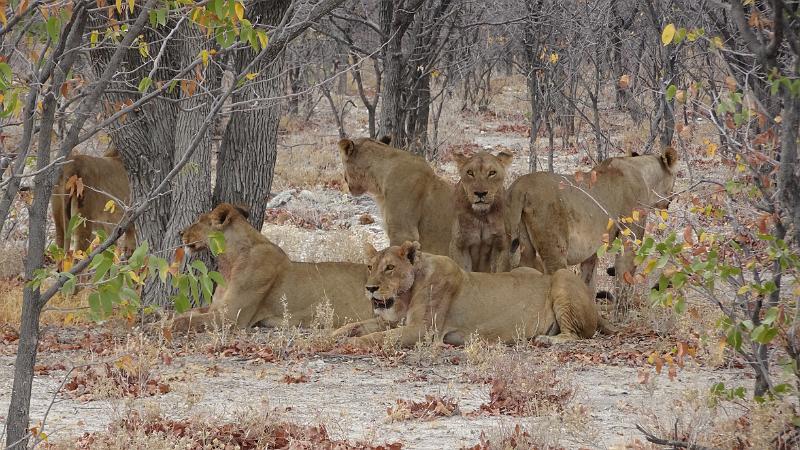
429, 409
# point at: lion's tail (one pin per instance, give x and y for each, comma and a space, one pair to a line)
516, 203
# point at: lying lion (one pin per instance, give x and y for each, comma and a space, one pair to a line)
479, 242
260, 279
416, 205
566, 219
413, 293
99, 176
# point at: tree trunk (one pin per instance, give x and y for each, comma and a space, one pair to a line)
249, 146
789, 172
191, 193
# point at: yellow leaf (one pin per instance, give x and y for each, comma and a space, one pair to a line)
131, 4
717, 41
262, 38
435, 73
711, 149
111, 206
3, 17
743, 289
635, 215
239, 9
80, 255
662, 226
664, 214
609, 224
135, 278
553, 58
668, 34
204, 56
626, 231
250, 76
778, 119
66, 265
651, 264
69, 319
119, 6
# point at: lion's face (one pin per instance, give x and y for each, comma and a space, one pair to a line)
482, 178
391, 275
195, 236
664, 185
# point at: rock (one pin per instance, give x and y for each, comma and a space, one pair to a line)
366, 219
280, 199
307, 195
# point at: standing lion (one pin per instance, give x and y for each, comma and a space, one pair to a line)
416, 205
479, 242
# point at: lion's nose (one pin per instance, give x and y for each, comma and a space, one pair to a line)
481, 194
372, 289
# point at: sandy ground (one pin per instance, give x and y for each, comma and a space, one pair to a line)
351, 394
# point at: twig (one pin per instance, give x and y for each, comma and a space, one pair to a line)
671, 443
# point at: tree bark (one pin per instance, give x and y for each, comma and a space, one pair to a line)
249, 146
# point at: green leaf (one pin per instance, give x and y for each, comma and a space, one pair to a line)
6, 76
68, 288
94, 303
145, 84
53, 27
107, 301
136, 260
770, 316
734, 338
671, 91
217, 277
216, 243
181, 303
200, 266
763, 334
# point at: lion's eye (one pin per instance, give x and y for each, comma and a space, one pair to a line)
469, 172
492, 173
389, 268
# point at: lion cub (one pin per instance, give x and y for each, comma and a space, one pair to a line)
479, 240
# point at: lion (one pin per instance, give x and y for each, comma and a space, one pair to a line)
414, 293
102, 178
565, 219
415, 203
263, 287
479, 240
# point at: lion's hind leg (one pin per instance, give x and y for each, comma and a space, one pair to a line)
574, 309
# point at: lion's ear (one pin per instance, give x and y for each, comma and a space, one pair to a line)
505, 159
385, 140
369, 250
409, 250
460, 159
243, 210
347, 147
224, 213
669, 158
635, 153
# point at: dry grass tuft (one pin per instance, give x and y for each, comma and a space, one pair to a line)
429, 409
516, 438
252, 429
61, 310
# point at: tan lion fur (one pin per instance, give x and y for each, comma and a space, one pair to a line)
415, 293
479, 241
416, 205
260, 279
99, 175
566, 219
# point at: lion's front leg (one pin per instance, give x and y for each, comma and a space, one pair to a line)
460, 250
359, 328
404, 336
